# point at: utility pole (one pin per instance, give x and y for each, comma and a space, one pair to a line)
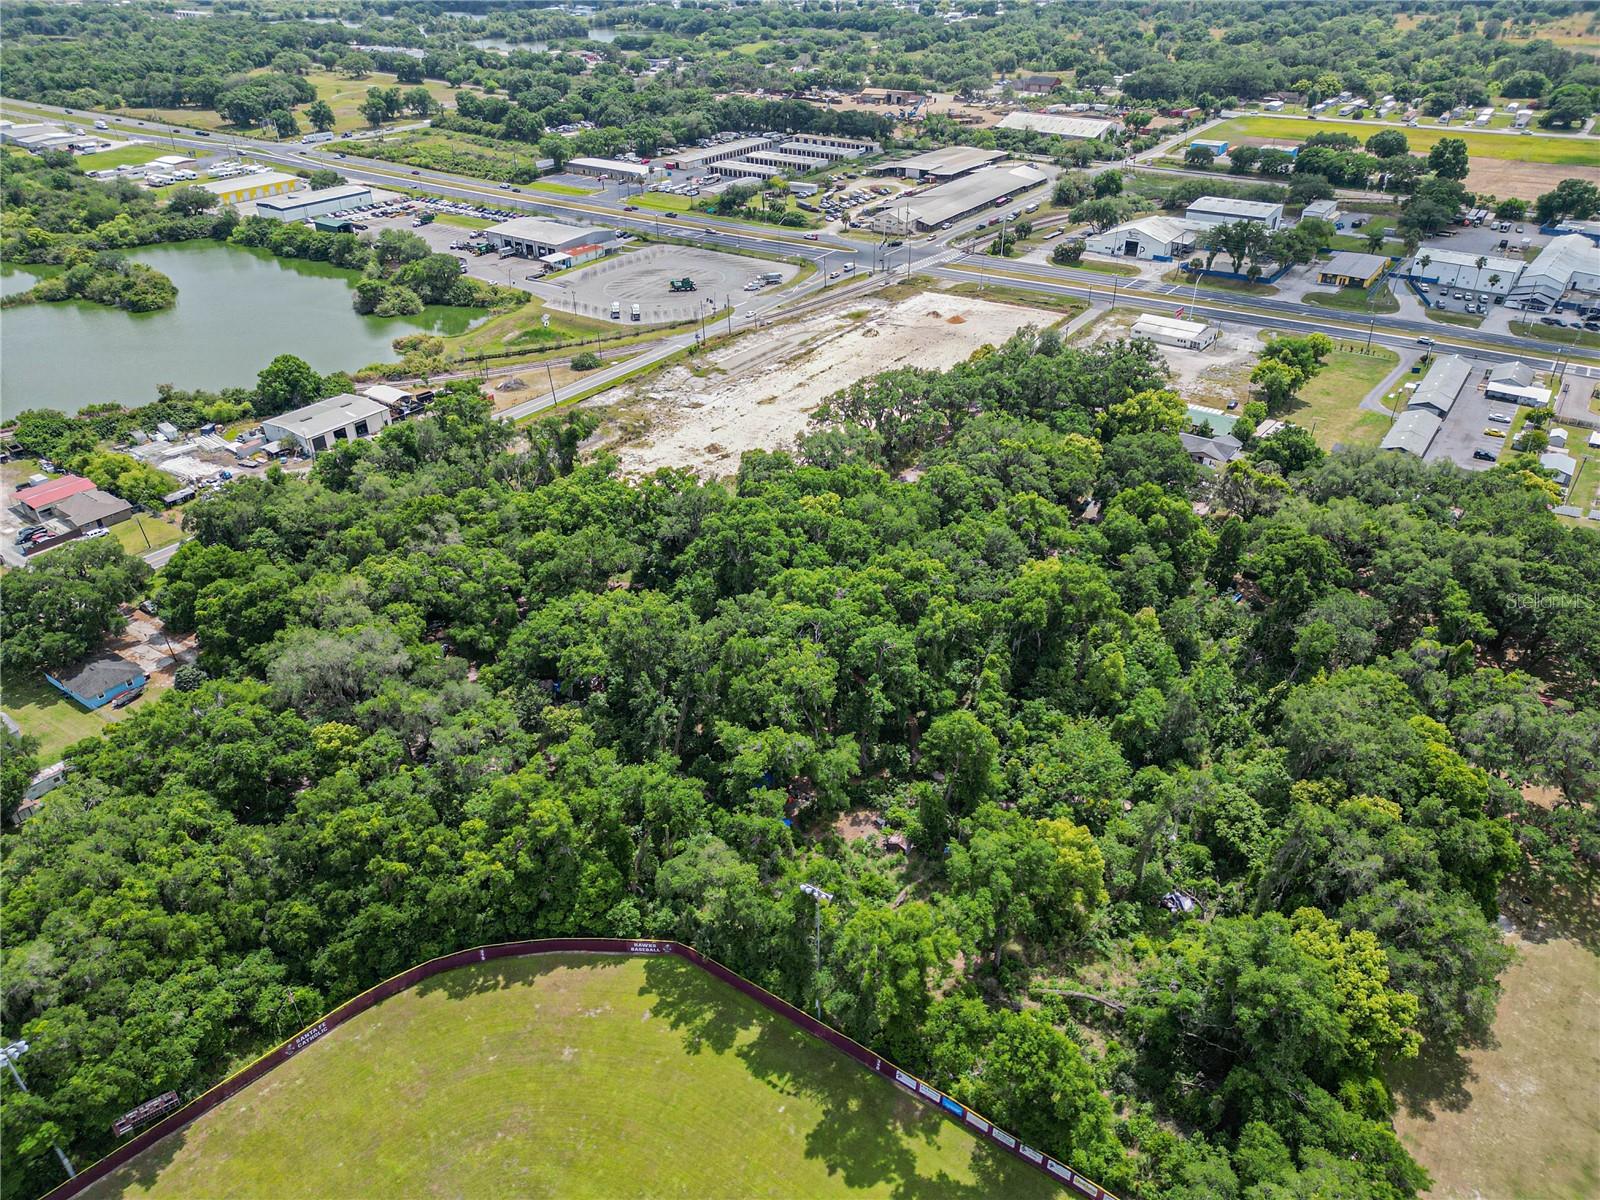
15, 1051
818, 898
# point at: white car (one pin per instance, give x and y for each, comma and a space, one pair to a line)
98, 533
1500, 418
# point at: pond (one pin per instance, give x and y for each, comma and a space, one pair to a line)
237, 309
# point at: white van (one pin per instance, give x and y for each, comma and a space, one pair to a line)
636, 314
616, 310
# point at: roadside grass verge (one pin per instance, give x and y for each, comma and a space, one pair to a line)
1355, 300
1222, 285
1561, 337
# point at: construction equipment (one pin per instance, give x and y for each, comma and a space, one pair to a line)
681, 285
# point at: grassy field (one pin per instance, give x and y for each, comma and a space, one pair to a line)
140, 533
1004, 294
666, 202
1330, 404
1465, 320
462, 222
1106, 268
344, 96
1354, 300
521, 328
1518, 1120
1562, 337
1565, 150
572, 1076
46, 714
558, 189
1224, 285
122, 156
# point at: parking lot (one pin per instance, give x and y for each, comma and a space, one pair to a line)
642, 276
1462, 433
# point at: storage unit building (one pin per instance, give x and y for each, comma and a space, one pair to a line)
317, 427
830, 146
950, 162
306, 206
701, 158
255, 186
1170, 331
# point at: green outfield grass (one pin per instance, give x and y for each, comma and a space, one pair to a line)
122, 156
573, 1076
1539, 148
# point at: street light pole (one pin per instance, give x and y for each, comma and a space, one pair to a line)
15, 1051
818, 899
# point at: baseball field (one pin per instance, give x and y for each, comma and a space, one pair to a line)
572, 1076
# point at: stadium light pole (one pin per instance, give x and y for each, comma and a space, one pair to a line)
818, 898
11, 1053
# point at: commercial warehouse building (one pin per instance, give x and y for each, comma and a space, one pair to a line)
306, 206
1413, 432
1157, 239
319, 426
1458, 269
958, 199
38, 501
1567, 264
701, 158
1225, 210
1170, 331
256, 186
1072, 128
950, 162
610, 168
534, 237
93, 509
1347, 269
1438, 390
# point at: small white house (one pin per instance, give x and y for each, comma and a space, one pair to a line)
1563, 466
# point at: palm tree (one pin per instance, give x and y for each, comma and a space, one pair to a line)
1480, 264
1374, 240
1494, 282
1424, 262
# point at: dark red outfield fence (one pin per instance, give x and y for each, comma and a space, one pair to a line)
909, 1083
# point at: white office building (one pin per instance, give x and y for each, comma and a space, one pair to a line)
1225, 210
1153, 238
534, 237
305, 206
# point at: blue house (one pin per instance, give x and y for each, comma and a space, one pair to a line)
100, 680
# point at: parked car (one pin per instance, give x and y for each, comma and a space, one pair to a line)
1484, 455
98, 533
127, 698
1500, 418
148, 607
1494, 433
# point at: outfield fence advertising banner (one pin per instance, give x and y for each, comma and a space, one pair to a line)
313, 1033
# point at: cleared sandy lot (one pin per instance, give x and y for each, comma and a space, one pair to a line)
759, 392
1209, 377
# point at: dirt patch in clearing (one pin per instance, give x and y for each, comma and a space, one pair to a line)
1209, 377
856, 825
759, 392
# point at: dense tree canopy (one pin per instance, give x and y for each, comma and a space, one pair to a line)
459, 685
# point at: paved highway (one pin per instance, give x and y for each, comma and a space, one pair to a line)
942, 255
